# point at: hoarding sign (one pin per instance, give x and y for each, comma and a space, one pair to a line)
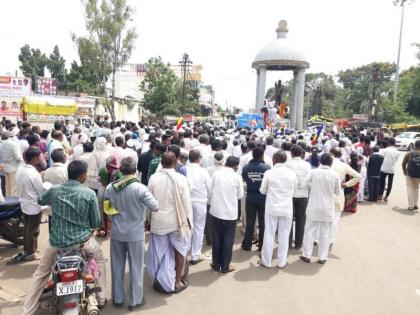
10, 106
250, 120
14, 86
46, 86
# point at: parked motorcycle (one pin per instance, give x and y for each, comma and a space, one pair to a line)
11, 221
71, 289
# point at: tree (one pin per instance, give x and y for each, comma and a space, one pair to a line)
161, 88
33, 62
107, 26
57, 66
321, 91
366, 84
86, 77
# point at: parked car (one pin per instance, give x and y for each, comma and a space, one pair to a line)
406, 140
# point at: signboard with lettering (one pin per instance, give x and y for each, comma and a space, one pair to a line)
14, 86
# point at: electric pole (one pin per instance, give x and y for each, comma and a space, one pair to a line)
397, 77
185, 67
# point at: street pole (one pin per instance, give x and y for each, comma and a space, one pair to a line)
185, 66
397, 77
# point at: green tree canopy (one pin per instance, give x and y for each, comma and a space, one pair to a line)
57, 66
161, 88
110, 38
33, 62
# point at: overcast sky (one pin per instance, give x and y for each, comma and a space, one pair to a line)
224, 36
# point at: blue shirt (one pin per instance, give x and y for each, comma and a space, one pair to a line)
253, 174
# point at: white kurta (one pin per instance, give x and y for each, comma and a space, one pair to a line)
279, 185
324, 184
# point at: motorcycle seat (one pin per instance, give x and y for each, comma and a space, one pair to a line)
10, 203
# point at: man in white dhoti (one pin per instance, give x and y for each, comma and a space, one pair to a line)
324, 184
278, 184
169, 228
200, 185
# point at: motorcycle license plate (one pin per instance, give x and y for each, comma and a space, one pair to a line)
66, 288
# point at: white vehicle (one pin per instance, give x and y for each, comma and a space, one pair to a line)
406, 140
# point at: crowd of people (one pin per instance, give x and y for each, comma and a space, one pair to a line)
119, 180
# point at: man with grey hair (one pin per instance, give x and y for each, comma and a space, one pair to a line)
129, 197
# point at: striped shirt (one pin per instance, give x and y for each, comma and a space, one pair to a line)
75, 212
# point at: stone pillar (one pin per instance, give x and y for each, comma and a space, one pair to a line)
300, 95
256, 90
261, 78
293, 107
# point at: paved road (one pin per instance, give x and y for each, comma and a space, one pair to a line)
374, 268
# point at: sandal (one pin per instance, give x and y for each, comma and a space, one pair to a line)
231, 269
182, 288
259, 262
17, 259
32, 257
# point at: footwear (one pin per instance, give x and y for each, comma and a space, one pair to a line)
117, 305
181, 288
132, 308
298, 247
410, 208
259, 262
196, 261
230, 269
321, 262
247, 249
102, 303
331, 246
287, 264
386, 199
32, 257
416, 208
303, 258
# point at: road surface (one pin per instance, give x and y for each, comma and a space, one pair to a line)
374, 268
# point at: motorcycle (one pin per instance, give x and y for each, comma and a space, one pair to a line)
71, 289
11, 221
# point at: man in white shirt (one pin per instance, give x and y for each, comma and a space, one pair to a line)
278, 184
343, 170
188, 139
227, 189
29, 188
300, 196
270, 149
200, 185
57, 138
57, 173
205, 150
12, 159
391, 155
324, 184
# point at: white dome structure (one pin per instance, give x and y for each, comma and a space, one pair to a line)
282, 54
